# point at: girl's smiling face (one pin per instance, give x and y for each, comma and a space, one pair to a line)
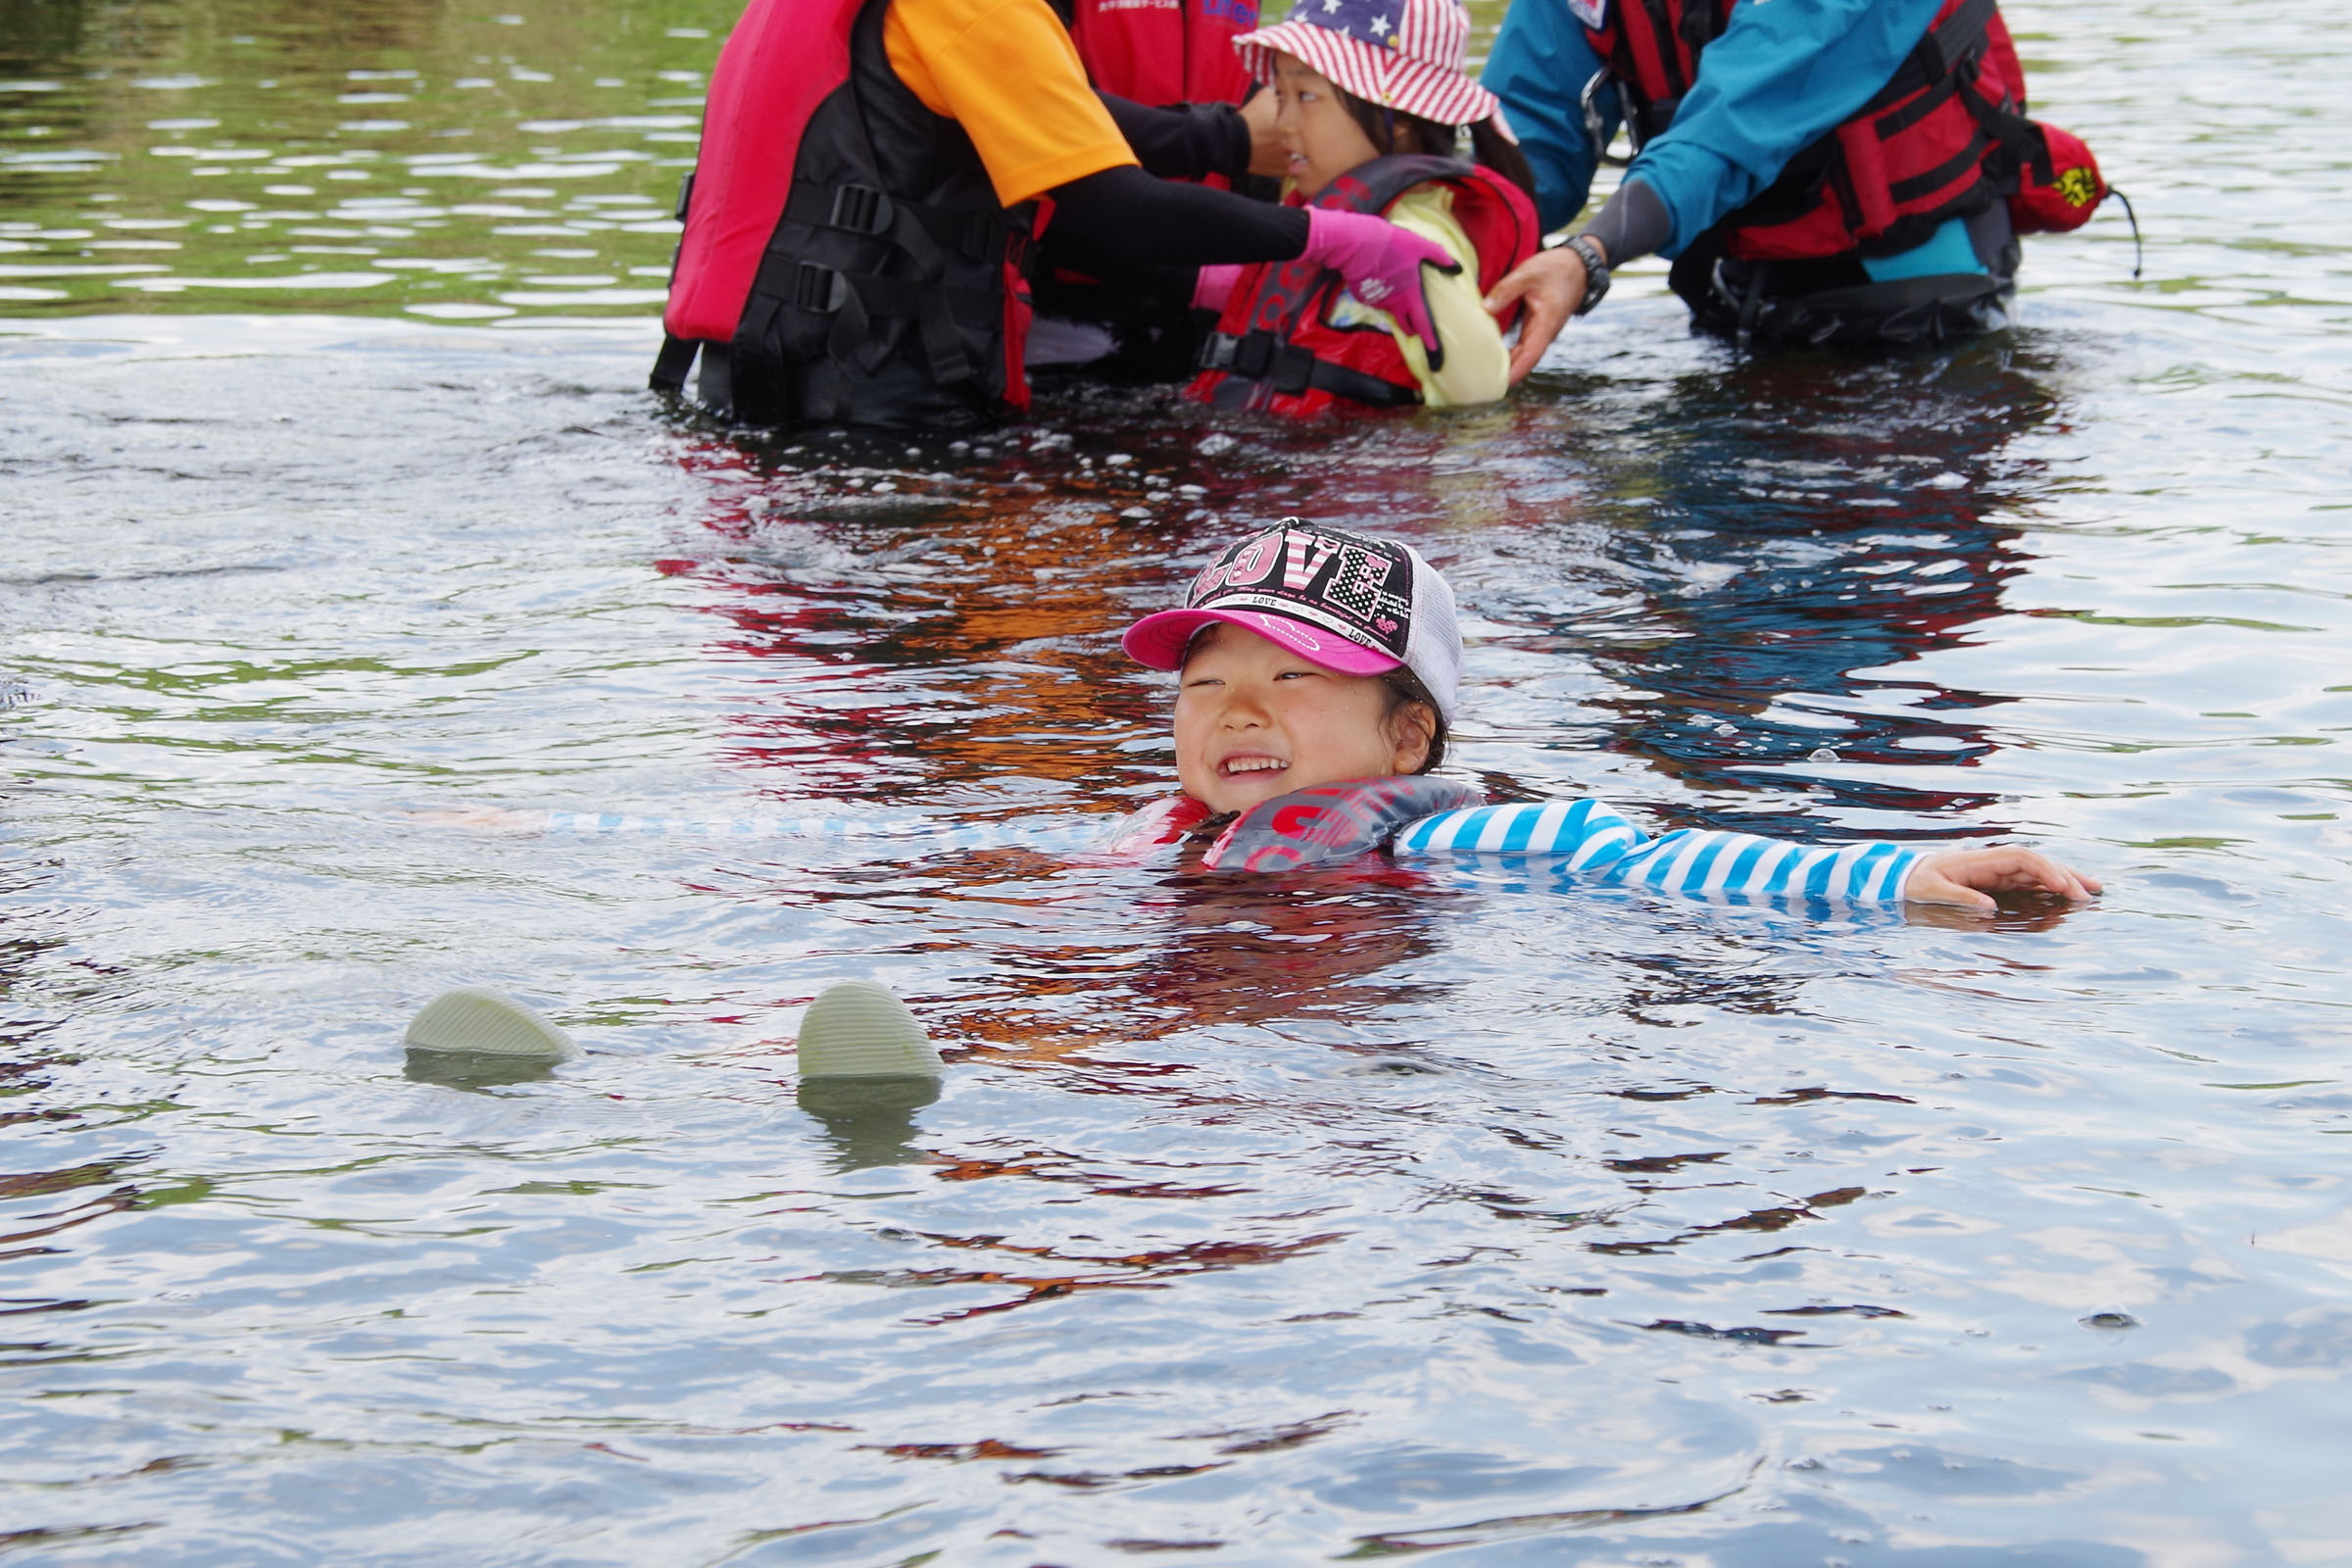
1315, 128
1254, 721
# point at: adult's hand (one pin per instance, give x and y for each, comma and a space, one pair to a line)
1970, 877
1267, 155
1548, 286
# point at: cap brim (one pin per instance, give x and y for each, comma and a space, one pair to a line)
1158, 642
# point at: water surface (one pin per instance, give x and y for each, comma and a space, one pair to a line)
1337, 1217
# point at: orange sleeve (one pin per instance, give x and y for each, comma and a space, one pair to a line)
1007, 73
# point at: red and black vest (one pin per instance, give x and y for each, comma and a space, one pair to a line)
844, 259
1946, 138
1276, 348
1165, 51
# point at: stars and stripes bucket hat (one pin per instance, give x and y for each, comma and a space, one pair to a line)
1405, 54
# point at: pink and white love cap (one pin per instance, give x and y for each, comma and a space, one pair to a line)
1350, 603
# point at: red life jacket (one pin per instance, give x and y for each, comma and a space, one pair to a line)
1165, 51
1276, 348
1946, 138
844, 249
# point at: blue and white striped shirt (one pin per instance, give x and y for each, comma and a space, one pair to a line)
1589, 837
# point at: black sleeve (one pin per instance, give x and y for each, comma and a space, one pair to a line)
1183, 141
1633, 223
1120, 216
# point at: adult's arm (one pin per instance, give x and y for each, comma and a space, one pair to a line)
1120, 216
1538, 67
1588, 836
1005, 70
1781, 76
1184, 141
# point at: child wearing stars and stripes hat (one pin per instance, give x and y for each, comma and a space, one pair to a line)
1356, 80
1405, 56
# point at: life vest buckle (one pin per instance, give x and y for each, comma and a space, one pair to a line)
1260, 357
1597, 129
979, 241
860, 210
1251, 355
819, 289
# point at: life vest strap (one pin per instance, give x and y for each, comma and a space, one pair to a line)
671, 364
1943, 51
1293, 371
861, 304
862, 210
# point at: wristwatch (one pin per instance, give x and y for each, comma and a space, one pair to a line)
1596, 272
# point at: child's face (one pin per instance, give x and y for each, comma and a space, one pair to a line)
1254, 721
1315, 128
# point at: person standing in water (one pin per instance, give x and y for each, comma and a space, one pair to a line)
872, 175
1821, 171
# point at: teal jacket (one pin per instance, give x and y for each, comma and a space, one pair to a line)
1784, 74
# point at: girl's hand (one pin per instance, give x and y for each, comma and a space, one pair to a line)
1382, 264
1969, 878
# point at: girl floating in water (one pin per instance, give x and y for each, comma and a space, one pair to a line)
1318, 671
1318, 676
1371, 97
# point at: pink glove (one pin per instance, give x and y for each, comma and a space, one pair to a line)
1382, 264
1214, 286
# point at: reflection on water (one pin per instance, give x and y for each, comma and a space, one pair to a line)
869, 1121
1788, 575
452, 162
1354, 1215
474, 1070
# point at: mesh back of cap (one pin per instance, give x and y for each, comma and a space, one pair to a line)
1434, 650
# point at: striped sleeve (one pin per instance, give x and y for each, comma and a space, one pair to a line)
1586, 832
1590, 837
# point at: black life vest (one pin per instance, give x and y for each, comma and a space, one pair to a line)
1276, 347
844, 258
1946, 138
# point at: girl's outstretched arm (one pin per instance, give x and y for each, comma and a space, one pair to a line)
1589, 837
